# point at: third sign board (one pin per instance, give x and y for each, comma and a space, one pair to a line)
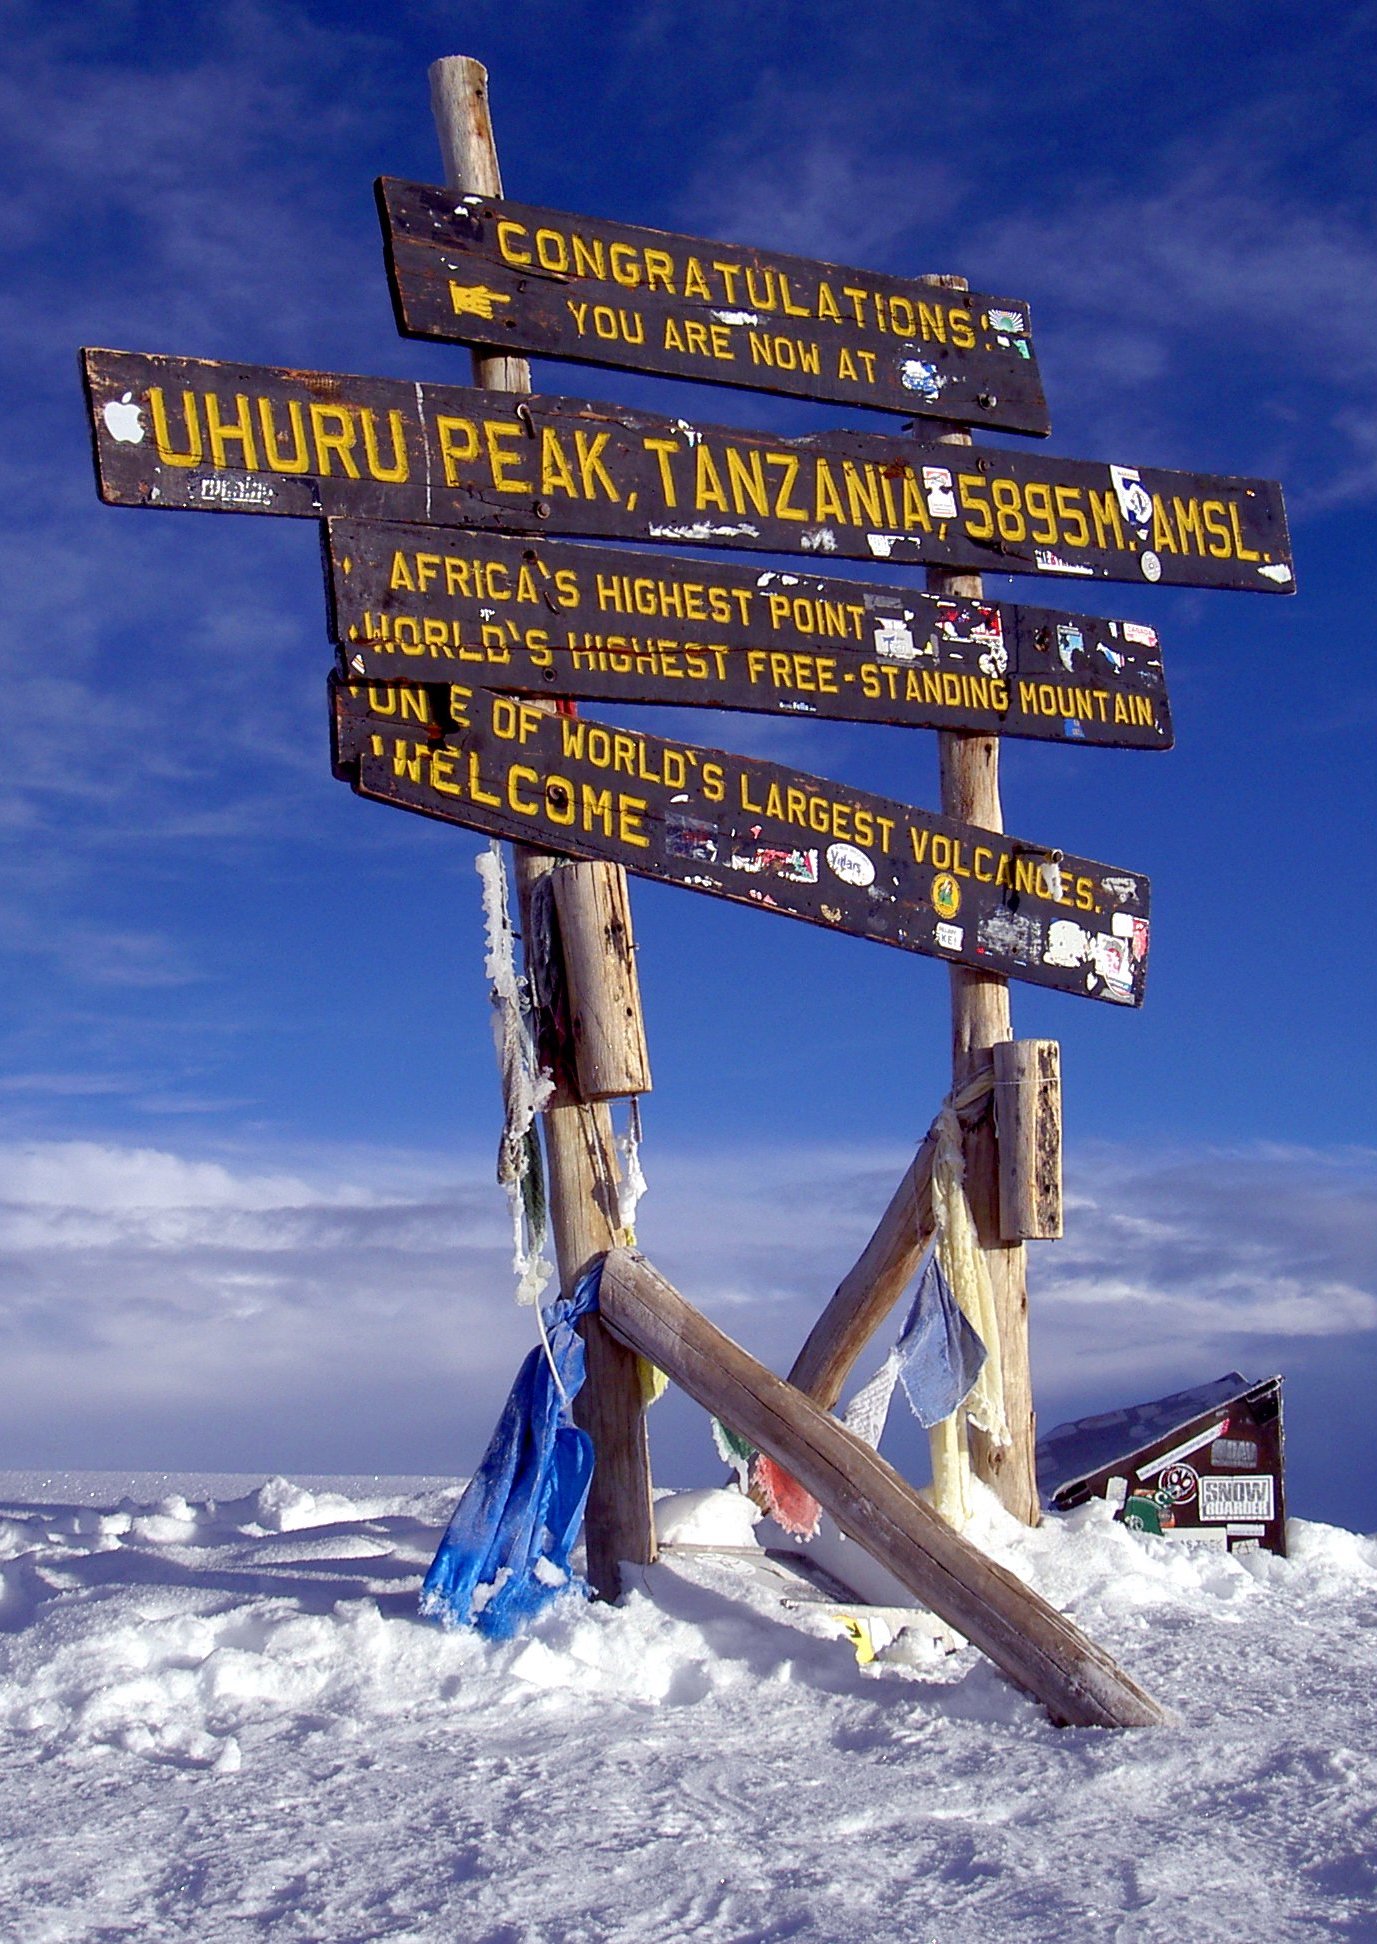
544, 617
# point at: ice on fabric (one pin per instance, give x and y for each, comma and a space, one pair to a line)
733, 1450
505, 1554
526, 1086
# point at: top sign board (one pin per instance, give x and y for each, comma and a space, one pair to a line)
182, 432
480, 270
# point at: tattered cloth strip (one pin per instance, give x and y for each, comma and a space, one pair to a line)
774, 1490
963, 1262
788, 1504
525, 1086
505, 1554
947, 1354
733, 1450
630, 1187
937, 1357
632, 1184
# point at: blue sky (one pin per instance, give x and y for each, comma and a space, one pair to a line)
247, 1098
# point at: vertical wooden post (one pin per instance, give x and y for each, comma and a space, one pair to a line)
579, 1147
979, 1022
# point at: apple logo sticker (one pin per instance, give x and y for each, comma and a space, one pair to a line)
124, 420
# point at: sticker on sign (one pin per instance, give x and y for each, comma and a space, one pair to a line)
1245, 1497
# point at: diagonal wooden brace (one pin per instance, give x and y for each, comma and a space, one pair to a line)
1038, 1648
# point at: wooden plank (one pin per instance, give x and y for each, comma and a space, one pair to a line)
1027, 1102
544, 617
580, 1151
755, 832
483, 270
1027, 1639
184, 433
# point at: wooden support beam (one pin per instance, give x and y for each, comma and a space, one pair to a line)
980, 1021
1028, 1640
579, 1148
1027, 1099
611, 1059
868, 1291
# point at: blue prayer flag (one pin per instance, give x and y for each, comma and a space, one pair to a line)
505, 1553
939, 1353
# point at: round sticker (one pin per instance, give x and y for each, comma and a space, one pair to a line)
946, 895
1178, 1483
852, 866
1151, 566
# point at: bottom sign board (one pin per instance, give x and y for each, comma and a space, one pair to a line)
751, 831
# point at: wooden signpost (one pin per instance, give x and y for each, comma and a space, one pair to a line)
751, 831
459, 623
227, 438
594, 964
542, 617
481, 270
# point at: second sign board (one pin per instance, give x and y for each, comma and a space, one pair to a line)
180, 432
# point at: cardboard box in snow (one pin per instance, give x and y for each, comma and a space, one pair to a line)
1204, 1463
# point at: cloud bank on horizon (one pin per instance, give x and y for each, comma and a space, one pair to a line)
159, 1309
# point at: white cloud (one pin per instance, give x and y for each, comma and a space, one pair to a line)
1212, 275
362, 1302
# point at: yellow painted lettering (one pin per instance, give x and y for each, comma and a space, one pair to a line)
162, 437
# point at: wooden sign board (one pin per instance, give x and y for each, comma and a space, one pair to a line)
484, 271
542, 617
751, 831
181, 432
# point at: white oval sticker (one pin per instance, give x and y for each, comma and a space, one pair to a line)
852, 866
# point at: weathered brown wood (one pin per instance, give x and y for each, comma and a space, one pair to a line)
184, 433
969, 770
598, 948
739, 828
579, 1147
870, 1289
482, 270
543, 617
1027, 1102
468, 147
1028, 1640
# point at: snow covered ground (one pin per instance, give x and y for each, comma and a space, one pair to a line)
220, 1719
